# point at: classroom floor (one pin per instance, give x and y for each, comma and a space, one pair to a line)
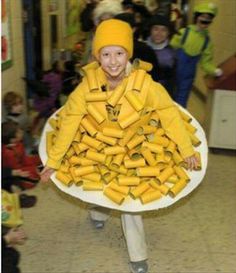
195, 235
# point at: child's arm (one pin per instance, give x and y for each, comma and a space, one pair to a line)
45, 174
73, 113
175, 42
74, 110
170, 119
206, 60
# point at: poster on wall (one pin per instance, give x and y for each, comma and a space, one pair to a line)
6, 35
52, 5
71, 17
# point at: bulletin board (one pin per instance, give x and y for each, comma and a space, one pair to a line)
6, 35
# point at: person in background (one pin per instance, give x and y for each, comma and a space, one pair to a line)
160, 30
152, 6
46, 102
128, 6
103, 10
46, 88
53, 79
141, 15
176, 16
15, 177
10, 256
141, 50
14, 109
70, 79
86, 15
112, 48
194, 46
14, 155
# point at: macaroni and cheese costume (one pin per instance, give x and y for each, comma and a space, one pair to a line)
153, 98
117, 141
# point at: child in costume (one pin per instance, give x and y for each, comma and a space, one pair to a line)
14, 155
15, 110
160, 32
113, 47
194, 46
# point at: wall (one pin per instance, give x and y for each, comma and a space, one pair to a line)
223, 35
11, 77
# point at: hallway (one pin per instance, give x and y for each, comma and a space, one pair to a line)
195, 235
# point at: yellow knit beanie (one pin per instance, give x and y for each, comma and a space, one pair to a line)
113, 32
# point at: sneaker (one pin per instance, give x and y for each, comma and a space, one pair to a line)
27, 201
139, 267
98, 224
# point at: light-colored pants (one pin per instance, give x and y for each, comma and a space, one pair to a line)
133, 229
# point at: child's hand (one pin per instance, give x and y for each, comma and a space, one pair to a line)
15, 236
218, 72
20, 173
45, 174
192, 162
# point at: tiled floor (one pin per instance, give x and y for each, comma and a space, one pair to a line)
195, 235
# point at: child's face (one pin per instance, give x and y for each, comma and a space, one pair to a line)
203, 21
18, 137
159, 34
19, 134
113, 60
17, 108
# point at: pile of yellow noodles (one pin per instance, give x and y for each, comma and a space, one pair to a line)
142, 162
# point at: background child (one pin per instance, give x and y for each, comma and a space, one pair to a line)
10, 256
12, 232
47, 88
102, 10
70, 79
160, 30
194, 46
14, 155
14, 109
53, 79
141, 50
15, 177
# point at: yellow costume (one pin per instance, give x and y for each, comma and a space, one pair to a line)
153, 96
128, 136
117, 143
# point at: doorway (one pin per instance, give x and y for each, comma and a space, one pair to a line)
32, 40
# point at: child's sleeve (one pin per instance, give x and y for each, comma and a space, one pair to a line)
175, 42
74, 110
206, 61
170, 119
